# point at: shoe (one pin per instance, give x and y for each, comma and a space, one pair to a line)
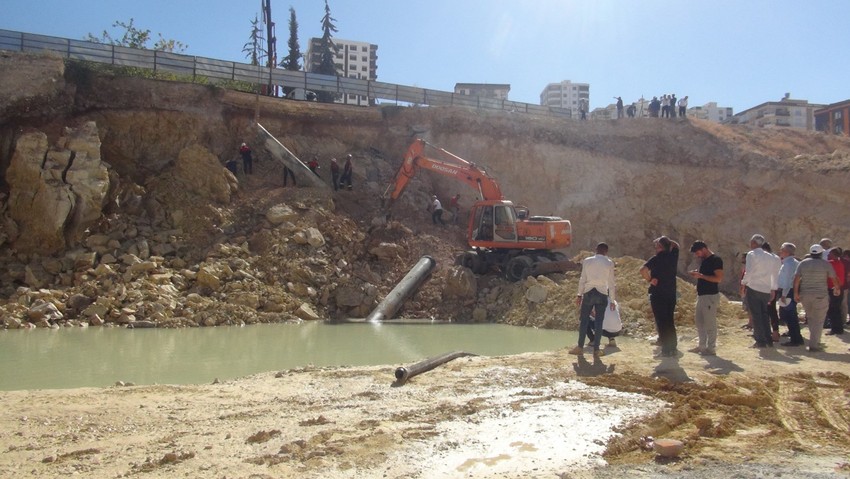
612, 344
697, 350
792, 343
815, 350
834, 333
708, 352
670, 354
598, 353
747, 326
578, 350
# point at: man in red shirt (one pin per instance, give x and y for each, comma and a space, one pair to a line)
454, 207
833, 314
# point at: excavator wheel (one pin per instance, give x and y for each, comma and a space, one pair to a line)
518, 267
471, 260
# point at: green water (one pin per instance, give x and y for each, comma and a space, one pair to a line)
78, 357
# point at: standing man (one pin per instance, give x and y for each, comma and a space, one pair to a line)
436, 210
247, 161
759, 285
660, 273
595, 289
833, 313
787, 303
335, 173
287, 173
455, 207
708, 276
619, 107
810, 289
683, 106
347, 169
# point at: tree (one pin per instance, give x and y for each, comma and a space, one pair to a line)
253, 48
327, 51
136, 38
290, 62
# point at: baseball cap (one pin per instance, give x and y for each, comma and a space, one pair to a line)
698, 245
816, 249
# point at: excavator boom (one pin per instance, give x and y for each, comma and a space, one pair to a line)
448, 165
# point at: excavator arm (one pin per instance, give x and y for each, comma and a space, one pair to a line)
448, 165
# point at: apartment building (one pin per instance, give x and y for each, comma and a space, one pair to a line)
834, 118
566, 94
711, 112
785, 113
498, 91
353, 59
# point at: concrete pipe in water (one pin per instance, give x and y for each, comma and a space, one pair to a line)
406, 287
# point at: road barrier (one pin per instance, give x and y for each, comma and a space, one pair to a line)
222, 71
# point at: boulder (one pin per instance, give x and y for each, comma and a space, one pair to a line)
281, 213
42, 311
306, 312
200, 172
668, 447
314, 237
56, 193
479, 315
536, 293
460, 283
387, 251
349, 296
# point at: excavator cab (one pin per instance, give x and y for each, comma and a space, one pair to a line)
494, 224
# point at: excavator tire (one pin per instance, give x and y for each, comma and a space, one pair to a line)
518, 267
472, 260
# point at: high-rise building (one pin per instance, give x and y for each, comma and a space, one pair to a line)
566, 95
353, 60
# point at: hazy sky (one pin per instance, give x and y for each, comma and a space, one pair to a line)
738, 53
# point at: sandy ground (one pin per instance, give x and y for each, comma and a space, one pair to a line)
745, 413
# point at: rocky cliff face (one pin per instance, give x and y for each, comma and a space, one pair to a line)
161, 145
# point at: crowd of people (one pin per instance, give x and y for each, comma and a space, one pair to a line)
819, 282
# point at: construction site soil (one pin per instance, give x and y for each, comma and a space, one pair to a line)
777, 412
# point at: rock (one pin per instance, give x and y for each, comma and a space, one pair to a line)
43, 311
85, 261
36, 276
536, 294
78, 302
200, 172
142, 267
460, 283
96, 240
387, 251
306, 312
300, 237
349, 296
103, 270
479, 315
108, 259
251, 300
281, 213
208, 279
668, 447
314, 237
95, 320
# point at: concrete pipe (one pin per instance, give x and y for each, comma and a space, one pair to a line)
403, 290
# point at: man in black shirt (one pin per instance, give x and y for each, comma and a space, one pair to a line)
708, 276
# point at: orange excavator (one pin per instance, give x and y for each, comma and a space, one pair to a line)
501, 235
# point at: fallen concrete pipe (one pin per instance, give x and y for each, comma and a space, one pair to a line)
406, 287
288, 159
402, 374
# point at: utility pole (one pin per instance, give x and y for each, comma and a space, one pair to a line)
272, 41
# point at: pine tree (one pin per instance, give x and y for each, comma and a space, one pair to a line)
290, 62
253, 49
327, 51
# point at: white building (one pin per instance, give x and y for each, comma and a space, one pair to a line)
566, 95
353, 60
786, 112
711, 112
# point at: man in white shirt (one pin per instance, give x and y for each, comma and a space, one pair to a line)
758, 287
595, 289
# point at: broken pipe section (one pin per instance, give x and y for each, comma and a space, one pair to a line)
406, 287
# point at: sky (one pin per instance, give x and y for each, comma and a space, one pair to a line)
737, 53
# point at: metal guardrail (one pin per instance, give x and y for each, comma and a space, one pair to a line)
221, 70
